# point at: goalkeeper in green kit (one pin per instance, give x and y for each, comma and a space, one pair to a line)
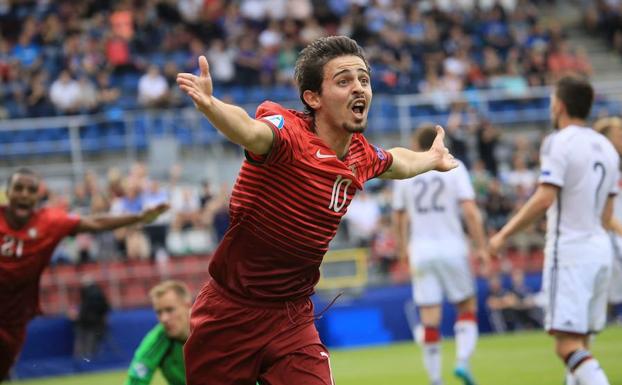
163, 346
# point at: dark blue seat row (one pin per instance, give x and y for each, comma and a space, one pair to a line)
121, 130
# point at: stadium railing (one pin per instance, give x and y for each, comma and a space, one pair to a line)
129, 132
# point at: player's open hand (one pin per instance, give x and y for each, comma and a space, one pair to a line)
199, 88
445, 161
151, 214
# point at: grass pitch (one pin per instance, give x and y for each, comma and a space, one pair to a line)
512, 359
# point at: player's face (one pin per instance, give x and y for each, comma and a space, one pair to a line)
174, 314
23, 194
346, 93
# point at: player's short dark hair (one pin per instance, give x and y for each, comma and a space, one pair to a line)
577, 95
21, 171
309, 70
425, 135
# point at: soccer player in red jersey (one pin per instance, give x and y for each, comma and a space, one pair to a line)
254, 319
28, 237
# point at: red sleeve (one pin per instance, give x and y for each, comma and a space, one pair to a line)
62, 223
285, 126
378, 160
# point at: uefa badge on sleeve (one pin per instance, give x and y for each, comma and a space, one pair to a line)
276, 120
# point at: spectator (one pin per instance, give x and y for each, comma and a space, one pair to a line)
497, 205
37, 101
190, 10
519, 176
529, 315
91, 321
363, 218
132, 241
65, 94
499, 302
153, 88
100, 247
26, 51
247, 62
563, 61
107, 95
205, 195
383, 249
221, 59
88, 95
487, 142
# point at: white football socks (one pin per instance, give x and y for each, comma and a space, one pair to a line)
466, 333
585, 369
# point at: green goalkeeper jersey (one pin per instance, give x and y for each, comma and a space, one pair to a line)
157, 350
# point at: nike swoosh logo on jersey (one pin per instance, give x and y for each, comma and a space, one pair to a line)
324, 156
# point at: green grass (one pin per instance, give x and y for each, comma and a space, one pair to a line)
519, 359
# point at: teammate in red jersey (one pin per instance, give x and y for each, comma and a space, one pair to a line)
28, 237
254, 320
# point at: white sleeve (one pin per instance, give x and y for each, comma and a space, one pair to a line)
399, 202
553, 162
615, 188
463, 183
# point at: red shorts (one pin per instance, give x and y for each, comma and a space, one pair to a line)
237, 342
11, 341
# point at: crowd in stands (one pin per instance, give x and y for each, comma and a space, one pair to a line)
503, 169
196, 221
502, 166
68, 57
603, 18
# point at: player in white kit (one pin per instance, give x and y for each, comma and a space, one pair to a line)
438, 252
611, 127
577, 187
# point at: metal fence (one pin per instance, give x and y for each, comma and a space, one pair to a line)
66, 142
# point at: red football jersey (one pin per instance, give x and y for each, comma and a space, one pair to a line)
24, 254
286, 206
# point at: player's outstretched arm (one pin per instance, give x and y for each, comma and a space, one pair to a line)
231, 120
475, 228
609, 222
111, 222
408, 163
533, 209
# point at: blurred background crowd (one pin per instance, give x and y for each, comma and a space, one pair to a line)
85, 57
68, 57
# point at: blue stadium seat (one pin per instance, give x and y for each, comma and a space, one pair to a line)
208, 132
182, 133
238, 94
140, 134
129, 83
280, 93
90, 138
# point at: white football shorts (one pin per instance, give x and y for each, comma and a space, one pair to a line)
441, 274
576, 295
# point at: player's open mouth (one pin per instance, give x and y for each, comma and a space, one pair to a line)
23, 209
358, 108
